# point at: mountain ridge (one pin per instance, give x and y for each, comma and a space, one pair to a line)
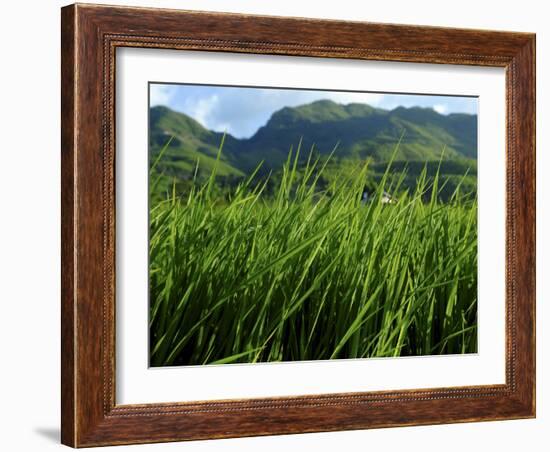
359, 130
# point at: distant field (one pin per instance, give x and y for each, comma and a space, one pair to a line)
296, 266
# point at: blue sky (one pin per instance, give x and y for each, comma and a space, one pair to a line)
241, 111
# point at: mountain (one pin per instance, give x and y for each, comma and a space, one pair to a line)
359, 131
363, 131
190, 142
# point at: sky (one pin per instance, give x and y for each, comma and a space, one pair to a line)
241, 111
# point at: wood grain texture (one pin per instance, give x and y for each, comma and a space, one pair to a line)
90, 36
67, 226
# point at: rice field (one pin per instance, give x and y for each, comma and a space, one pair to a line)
310, 272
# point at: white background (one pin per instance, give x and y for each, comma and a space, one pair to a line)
29, 226
135, 383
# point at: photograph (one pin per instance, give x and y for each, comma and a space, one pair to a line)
292, 224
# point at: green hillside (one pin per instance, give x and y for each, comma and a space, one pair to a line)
363, 131
358, 130
190, 142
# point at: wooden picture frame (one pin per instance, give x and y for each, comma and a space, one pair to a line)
90, 36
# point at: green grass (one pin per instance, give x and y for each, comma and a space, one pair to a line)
311, 273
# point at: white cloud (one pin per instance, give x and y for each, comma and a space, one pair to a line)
161, 94
203, 108
441, 109
372, 99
